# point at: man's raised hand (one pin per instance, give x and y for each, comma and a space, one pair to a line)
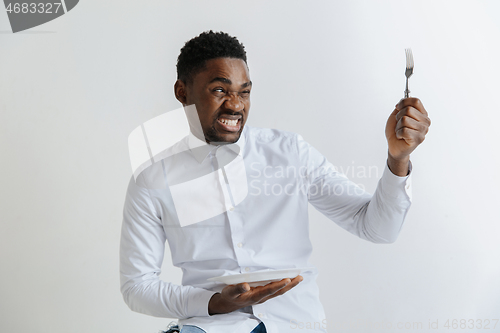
405, 130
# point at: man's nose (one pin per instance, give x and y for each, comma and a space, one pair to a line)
234, 102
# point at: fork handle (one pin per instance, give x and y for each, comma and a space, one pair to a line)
407, 91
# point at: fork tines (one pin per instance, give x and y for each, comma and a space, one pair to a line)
409, 59
409, 69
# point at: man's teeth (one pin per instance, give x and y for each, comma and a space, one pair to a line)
228, 121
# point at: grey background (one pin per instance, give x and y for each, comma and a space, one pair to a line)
331, 71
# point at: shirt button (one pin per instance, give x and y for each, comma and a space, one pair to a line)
247, 269
407, 186
231, 208
240, 244
260, 315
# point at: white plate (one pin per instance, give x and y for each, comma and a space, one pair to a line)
259, 278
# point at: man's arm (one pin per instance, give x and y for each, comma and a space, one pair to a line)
142, 248
378, 217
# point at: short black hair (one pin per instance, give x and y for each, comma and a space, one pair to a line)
208, 45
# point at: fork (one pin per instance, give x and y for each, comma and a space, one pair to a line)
409, 69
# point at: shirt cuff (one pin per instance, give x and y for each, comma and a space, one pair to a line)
397, 186
197, 302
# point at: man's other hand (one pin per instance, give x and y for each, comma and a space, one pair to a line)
405, 130
237, 296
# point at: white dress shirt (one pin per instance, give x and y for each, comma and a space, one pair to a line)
241, 208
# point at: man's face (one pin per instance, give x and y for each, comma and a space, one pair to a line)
221, 93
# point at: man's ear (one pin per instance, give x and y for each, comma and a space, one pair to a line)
180, 92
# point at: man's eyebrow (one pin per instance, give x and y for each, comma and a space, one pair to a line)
227, 81
221, 79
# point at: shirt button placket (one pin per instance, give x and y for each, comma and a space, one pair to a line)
234, 219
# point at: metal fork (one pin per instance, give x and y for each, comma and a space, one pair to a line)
409, 69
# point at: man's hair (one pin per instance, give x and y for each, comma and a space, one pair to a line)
208, 45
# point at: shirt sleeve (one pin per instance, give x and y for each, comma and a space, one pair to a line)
377, 218
142, 249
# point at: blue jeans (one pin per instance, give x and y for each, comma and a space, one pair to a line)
193, 329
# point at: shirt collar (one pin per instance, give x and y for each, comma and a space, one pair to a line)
200, 149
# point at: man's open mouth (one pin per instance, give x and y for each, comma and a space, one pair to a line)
229, 123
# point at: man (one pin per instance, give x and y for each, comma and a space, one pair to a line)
245, 209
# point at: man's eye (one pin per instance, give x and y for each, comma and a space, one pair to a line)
219, 90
